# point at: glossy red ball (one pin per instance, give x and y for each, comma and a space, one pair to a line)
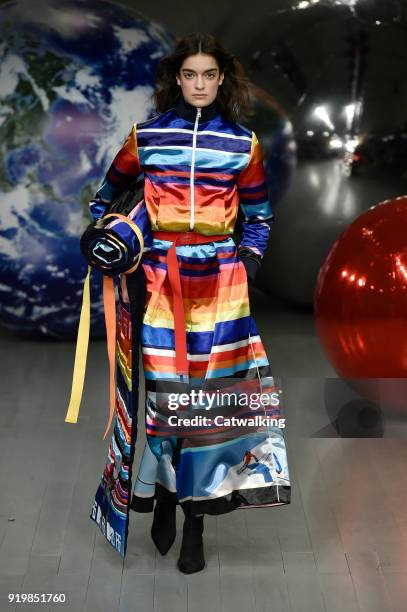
360, 298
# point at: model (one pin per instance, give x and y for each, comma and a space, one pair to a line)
199, 165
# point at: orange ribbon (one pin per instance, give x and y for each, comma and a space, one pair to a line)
109, 302
180, 334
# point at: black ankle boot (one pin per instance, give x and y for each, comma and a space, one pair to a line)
163, 528
191, 558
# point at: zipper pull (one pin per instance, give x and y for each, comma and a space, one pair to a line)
198, 112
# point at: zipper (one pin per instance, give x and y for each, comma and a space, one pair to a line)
191, 182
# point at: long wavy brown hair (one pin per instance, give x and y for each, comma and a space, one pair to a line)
233, 96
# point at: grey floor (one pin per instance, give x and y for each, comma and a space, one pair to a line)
341, 546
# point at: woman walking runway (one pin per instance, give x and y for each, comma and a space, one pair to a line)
200, 164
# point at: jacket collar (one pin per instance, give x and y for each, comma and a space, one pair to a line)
188, 111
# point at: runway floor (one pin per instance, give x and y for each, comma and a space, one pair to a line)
340, 546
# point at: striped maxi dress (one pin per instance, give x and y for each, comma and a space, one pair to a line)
198, 168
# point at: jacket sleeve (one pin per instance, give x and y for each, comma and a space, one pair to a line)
124, 168
255, 205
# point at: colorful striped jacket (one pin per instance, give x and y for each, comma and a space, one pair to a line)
198, 169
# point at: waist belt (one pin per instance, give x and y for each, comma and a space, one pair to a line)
180, 335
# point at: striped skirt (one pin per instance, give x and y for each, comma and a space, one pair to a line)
222, 469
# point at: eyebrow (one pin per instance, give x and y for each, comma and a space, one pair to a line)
207, 70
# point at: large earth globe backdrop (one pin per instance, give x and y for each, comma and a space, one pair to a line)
74, 76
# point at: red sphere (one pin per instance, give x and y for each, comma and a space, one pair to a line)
360, 297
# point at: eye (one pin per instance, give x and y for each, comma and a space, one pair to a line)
211, 75
188, 75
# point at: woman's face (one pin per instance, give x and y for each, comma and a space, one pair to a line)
199, 78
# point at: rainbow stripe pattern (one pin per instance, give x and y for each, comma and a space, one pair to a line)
223, 344
196, 175
227, 173
111, 506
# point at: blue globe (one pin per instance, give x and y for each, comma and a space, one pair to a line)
74, 76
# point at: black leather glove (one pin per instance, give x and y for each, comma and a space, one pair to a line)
251, 262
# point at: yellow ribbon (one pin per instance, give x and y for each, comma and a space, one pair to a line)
82, 342
80, 354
